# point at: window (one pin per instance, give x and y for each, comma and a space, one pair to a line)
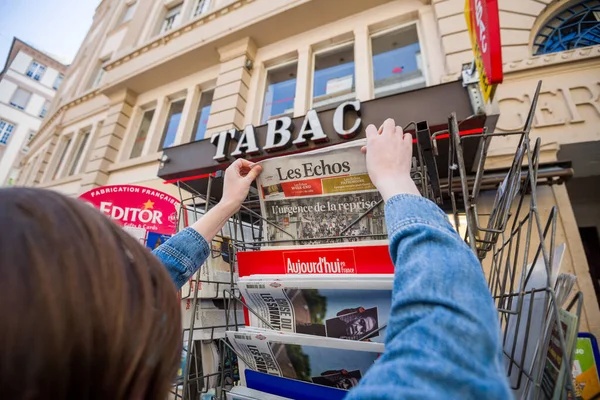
142, 134
83, 139
171, 19
333, 80
397, 64
128, 13
97, 75
280, 92
36, 70
20, 98
6, 130
201, 118
172, 123
63, 153
202, 7
58, 81
44, 109
25, 148
577, 26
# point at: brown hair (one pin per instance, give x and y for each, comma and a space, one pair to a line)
86, 312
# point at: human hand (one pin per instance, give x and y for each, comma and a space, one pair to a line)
389, 158
236, 183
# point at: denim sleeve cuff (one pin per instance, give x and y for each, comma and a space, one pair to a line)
183, 254
407, 209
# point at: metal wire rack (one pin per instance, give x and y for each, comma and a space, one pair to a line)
514, 242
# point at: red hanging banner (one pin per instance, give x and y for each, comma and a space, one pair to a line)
136, 207
483, 23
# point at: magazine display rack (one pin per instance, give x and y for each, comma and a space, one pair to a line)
514, 243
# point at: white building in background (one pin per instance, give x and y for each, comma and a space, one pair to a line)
28, 83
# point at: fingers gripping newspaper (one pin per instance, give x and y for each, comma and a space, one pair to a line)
323, 361
315, 196
352, 308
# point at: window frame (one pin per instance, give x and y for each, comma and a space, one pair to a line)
58, 79
192, 136
36, 72
329, 49
139, 127
128, 10
163, 135
389, 30
98, 74
283, 64
59, 166
165, 16
17, 106
78, 156
44, 109
4, 134
202, 5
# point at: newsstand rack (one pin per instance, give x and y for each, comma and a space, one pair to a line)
513, 242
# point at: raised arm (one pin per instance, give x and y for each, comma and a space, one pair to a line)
443, 336
186, 251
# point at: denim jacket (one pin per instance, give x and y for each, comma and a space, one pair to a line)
443, 335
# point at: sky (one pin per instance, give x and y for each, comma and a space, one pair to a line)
54, 26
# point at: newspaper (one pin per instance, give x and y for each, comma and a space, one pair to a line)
324, 361
319, 195
353, 308
244, 393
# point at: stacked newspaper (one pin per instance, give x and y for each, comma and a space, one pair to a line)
318, 197
318, 296
328, 362
349, 307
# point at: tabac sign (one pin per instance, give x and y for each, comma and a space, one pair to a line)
280, 133
484, 30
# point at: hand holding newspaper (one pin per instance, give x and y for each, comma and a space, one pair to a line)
322, 196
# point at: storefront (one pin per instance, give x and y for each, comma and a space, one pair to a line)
180, 76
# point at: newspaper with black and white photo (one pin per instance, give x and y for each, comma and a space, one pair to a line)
320, 195
349, 307
324, 361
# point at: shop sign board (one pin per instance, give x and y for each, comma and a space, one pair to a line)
484, 30
136, 207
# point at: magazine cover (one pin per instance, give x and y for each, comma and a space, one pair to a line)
348, 308
323, 361
555, 375
318, 194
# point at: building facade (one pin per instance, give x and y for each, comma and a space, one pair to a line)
156, 74
28, 83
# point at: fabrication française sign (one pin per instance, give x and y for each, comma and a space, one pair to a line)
484, 31
136, 207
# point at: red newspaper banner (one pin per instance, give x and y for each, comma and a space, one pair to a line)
310, 261
307, 187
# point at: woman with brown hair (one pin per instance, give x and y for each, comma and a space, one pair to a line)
86, 312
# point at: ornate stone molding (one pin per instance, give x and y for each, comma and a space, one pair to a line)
545, 60
163, 40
